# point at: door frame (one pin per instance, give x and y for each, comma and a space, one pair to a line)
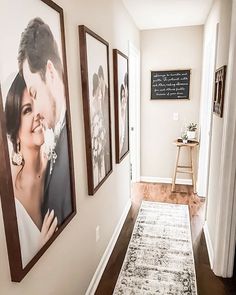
206, 114
134, 111
224, 250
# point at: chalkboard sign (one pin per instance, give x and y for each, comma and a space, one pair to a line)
170, 84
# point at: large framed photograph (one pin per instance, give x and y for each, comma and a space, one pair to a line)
36, 171
121, 96
94, 58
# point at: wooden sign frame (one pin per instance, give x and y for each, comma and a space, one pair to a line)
170, 84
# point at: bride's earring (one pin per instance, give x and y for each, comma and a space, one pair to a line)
17, 157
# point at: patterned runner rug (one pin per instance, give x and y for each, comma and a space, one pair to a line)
159, 259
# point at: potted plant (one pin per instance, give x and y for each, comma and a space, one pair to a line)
184, 137
191, 130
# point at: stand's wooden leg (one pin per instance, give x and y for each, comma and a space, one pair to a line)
175, 169
193, 170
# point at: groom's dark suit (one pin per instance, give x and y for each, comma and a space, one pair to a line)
57, 191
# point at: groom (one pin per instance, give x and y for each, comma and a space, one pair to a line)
42, 69
106, 116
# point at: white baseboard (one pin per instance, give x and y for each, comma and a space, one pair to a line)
103, 262
209, 244
166, 180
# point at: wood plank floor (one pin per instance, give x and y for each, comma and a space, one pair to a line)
207, 282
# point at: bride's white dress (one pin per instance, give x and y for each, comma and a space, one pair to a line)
29, 234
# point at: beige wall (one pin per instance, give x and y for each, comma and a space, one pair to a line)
221, 12
164, 49
69, 264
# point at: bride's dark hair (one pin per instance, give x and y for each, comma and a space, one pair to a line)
13, 115
13, 109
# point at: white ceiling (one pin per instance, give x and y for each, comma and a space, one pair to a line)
153, 14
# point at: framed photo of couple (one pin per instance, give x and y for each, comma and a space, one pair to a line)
121, 96
94, 58
36, 171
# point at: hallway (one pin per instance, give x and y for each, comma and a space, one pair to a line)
129, 79
207, 282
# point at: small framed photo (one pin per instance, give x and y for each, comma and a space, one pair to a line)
94, 58
36, 171
121, 96
219, 92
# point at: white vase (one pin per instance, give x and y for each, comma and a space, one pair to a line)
191, 134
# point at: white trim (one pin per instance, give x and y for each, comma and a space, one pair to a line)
191, 239
224, 247
165, 180
138, 120
206, 114
231, 254
209, 244
134, 110
105, 257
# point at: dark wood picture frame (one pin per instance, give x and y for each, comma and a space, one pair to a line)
219, 91
121, 86
170, 84
8, 200
99, 161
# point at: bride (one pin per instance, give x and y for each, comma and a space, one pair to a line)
28, 168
